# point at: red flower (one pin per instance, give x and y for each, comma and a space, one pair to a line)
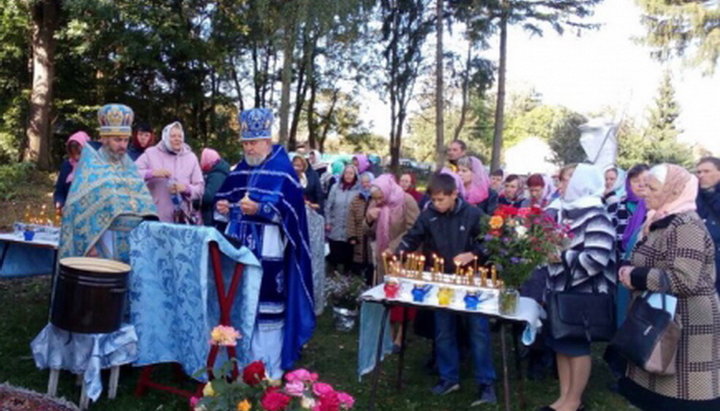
254, 373
274, 401
328, 402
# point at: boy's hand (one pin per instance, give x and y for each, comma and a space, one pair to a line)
463, 258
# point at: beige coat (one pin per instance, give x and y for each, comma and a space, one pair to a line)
680, 248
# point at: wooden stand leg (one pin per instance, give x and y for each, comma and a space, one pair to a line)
53, 382
114, 376
84, 400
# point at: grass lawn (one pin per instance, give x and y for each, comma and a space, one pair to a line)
24, 312
333, 354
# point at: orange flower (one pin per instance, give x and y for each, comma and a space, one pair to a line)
496, 222
244, 405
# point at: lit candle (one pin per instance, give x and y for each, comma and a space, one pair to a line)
475, 265
493, 273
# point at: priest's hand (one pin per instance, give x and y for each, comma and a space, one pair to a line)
248, 206
222, 207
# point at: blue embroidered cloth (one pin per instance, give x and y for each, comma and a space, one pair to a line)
173, 299
84, 354
275, 187
105, 195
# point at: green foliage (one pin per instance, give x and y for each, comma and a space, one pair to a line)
565, 137
678, 28
343, 291
12, 179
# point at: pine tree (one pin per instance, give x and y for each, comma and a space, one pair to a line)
661, 133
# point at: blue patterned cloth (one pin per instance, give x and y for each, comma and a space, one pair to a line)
173, 299
84, 354
105, 195
275, 187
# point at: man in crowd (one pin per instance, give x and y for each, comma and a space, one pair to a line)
497, 178
455, 150
708, 203
108, 198
263, 201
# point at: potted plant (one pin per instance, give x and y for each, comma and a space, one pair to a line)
516, 241
342, 292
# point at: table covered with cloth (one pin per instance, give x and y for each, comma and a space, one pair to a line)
84, 354
172, 295
374, 305
19, 258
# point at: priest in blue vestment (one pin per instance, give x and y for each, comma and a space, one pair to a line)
108, 198
263, 202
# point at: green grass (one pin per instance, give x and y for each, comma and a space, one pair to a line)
23, 313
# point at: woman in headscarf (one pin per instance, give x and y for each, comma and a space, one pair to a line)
173, 175
391, 213
476, 184
358, 236
215, 170
336, 212
676, 250
408, 182
74, 147
614, 185
328, 180
540, 190
361, 162
588, 265
142, 138
316, 226
310, 183
315, 160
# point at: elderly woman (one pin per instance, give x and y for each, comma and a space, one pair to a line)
358, 236
215, 171
391, 213
588, 264
74, 147
173, 175
677, 248
408, 182
310, 182
336, 215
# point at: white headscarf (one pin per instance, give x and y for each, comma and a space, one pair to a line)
166, 136
585, 188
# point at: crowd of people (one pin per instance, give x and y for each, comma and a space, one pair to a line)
632, 232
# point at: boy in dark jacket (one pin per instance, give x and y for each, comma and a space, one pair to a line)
449, 227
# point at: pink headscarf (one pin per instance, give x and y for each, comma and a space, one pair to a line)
480, 184
392, 208
679, 192
363, 163
208, 159
81, 138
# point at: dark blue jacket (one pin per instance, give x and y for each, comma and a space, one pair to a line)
62, 188
708, 207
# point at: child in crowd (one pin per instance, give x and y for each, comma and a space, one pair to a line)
449, 227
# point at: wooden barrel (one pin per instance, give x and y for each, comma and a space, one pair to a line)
89, 295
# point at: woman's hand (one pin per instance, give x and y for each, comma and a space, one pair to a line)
373, 214
624, 276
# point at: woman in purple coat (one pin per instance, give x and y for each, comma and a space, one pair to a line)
173, 175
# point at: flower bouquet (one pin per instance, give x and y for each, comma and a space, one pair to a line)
253, 390
516, 240
342, 292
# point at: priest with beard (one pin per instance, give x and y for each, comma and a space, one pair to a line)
108, 198
262, 199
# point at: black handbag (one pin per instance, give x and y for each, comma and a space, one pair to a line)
649, 336
584, 316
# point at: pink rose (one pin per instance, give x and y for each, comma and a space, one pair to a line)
321, 389
300, 374
313, 376
346, 400
194, 401
295, 388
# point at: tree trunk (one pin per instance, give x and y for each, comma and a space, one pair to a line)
439, 87
328, 117
500, 106
465, 91
301, 90
312, 128
288, 50
45, 21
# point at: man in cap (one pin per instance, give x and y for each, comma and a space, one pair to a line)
263, 202
108, 198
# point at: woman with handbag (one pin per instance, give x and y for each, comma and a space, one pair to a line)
581, 285
677, 253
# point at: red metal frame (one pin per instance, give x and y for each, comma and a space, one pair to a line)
225, 300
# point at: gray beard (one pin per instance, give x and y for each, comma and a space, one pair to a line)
255, 160
113, 157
